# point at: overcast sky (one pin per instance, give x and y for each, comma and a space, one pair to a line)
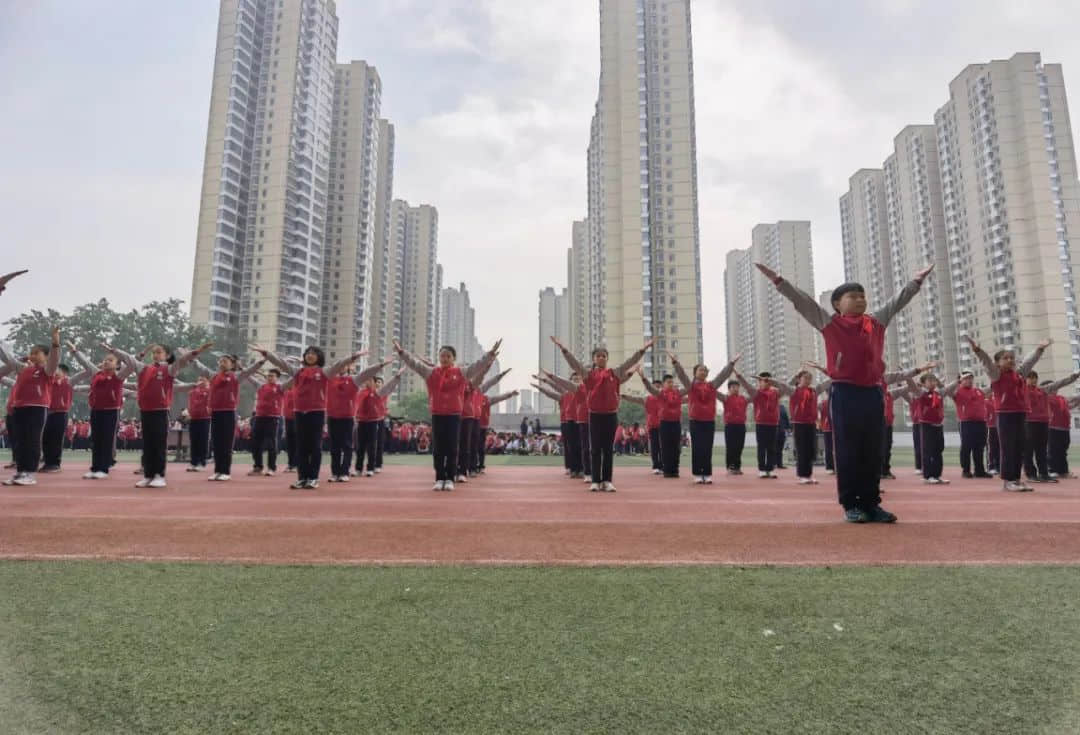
105, 107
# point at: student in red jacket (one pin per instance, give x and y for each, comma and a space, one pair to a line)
993, 445
803, 409
369, 420
671, 401
483, 422
312, 381
30, 399
341, 410
565, 399
1060, 426
575, 434
971, 413
854, 347
931, 426
734, 426
1037, 429
269, 409
702, 394
602, 386
1011, 405
446, 384
56, 422
766, 399
199, 417
224, 397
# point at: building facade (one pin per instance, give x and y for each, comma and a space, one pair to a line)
384, 329
554, 321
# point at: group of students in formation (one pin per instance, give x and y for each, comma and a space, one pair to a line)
305, 396
1023, 421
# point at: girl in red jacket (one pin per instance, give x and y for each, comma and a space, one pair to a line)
1011, 406
1037, 429
446, 399
369, 420
269, 409
766, 399
602, 385
30, 399
224, 396
105, 395
671, 401
703, 395
803, 408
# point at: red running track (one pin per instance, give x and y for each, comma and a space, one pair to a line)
531, 515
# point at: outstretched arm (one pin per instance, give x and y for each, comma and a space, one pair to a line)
897, 376
633, 399
7, 358
83, 360
680, 373
370, 372
805, 304
950, 389
902, 299
622, 372
899, 392
476, 372
415, 365
182, 361
648, 386
250, 370
823, 386
992, 370
284, 367
783, 388
202, 369
572, 361
503, 397
391, 385
493, 381
548, 392
725, 372
1033, 357
1056, 386
751, 391
54, 353
341, 364
558, 382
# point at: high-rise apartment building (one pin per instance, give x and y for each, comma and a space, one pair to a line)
926, 329
384, 328
582, 338
414, 254
351, 216
643, 181
864, 230
262, 217
554, 321
458, 318
761, 324
1011, 203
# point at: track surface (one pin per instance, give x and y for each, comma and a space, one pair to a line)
526, 515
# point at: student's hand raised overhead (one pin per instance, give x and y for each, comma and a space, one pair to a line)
556, 342
735, 359
203, 348
767, 272
1046, 343
671, 356
973, 343
928, 366
7, 277
921, 275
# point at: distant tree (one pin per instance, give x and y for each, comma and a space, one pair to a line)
631, 413
413, 407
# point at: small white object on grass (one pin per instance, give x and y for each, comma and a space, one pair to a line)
768, 632
839, 628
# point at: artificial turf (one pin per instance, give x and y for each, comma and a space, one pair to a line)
173, 648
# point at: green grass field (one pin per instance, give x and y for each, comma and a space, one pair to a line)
149, 648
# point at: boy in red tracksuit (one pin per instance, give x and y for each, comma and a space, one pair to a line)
30, 399
734, 426
766, 400
803, 410
932, 419
854, 347
671, 401
1060, 426
269, 409
1036, 460
971, 412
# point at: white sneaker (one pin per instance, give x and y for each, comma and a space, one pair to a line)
771, 475
708, 479
699, 480
448, 485
942, 481
26, 478
268, 473
369, 473
805, 481
90, 476
378, 470
594, 487
587, 479
830, 472
762, 475
158, 481
144, 483
438, 485
213, 478
609, 487
224, 478
657, 472
1013, 487
462, 478
917, 472
1053, 475
100, 475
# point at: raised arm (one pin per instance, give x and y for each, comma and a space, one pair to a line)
573, 362
902, 299
179, 387
341, 364
901, 392
54, 353
823, 386
561, 383
82, 360
284, 367
1074, 402
898, 375
622, 372
492, 382
680, 373
992, 370
7, 358
415, 365
950, 389
1058, 385
751, 391
553, 395
503, 397
1033, 357
648, 386
201, 369
805, 304
475, 373
725, 372
250, 370
185, 358
633, 399
784, 388
391, 385
370, 372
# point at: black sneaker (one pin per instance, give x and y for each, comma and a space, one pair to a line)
982, 475
854, 515
1047, 478
966, 475
880, 515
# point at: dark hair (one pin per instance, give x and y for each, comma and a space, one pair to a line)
669, 376
378, 379
274, 371
732, 382
925, 376
597, 350
1033, 374
42, 348
764, 374
573, 373
63, 367
656, 382
1000, 353
320, 356
844, 288
449, 349
701, 365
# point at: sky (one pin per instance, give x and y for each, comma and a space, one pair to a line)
105, 109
